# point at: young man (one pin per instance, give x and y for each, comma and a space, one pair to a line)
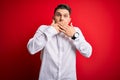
58, 44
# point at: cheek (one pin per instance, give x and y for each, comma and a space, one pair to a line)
56, 19
67, 20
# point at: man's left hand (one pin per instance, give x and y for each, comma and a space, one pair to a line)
66, 29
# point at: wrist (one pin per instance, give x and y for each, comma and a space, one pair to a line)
75, 35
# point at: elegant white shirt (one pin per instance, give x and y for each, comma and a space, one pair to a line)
58, 52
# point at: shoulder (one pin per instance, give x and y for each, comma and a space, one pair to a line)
43, 27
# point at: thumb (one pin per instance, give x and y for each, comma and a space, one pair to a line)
53, 22
71, 24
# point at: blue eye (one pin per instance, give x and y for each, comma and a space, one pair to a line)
65, 15
58, 14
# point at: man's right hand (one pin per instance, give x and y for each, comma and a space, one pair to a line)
53, 24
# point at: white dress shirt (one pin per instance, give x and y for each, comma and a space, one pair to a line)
58, 52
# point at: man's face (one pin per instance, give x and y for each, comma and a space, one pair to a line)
62, 15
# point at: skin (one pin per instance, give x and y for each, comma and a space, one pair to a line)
61, 22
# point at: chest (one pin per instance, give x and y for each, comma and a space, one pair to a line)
60, 42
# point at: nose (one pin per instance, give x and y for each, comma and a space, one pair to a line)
61, 18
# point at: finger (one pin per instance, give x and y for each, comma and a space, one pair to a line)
61, 30
71, 24
62, 27
59, 24
62, 24
53, 22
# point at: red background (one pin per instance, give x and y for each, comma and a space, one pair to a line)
98, 20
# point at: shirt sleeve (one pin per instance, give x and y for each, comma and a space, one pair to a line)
39, 40
82, 45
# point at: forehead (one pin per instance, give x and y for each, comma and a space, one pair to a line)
62, 11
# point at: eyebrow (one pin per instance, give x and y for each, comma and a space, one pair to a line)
61, 13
